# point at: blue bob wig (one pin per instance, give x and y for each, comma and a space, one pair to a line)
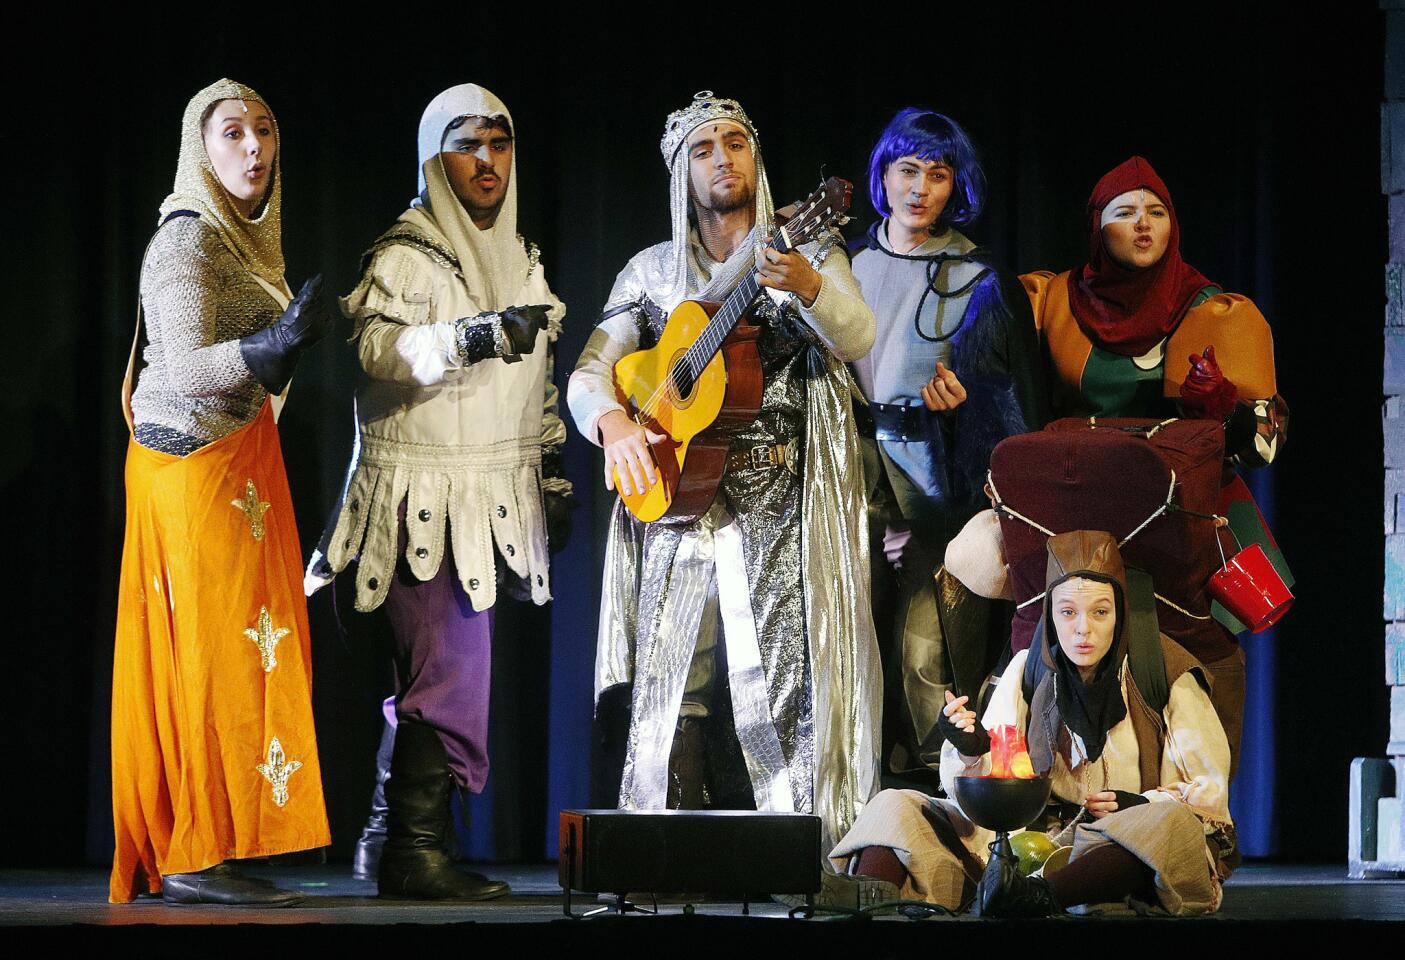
929, 135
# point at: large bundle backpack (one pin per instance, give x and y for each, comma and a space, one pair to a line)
1152, 485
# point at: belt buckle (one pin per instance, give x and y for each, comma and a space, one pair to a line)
760, 456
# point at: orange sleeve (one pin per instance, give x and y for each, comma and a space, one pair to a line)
1036, 284
1242, 340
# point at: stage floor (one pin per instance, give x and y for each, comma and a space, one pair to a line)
72, 904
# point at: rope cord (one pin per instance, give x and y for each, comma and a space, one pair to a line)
1002, 507
1170, 492
1179, 609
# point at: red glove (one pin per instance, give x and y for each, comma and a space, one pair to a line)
1206, 393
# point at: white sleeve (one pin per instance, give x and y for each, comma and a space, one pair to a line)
1006, 706
393, 308
839, 316
1195, 761
423, 355
590, 393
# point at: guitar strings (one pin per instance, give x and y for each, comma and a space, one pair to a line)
651, 405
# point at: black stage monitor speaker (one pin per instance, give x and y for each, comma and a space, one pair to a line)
713, 851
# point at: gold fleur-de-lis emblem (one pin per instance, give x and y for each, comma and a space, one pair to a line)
267, 638
277, 772
253, 508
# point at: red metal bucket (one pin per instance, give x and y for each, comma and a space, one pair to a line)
1250, 588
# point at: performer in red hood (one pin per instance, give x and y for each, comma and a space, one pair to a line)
1138, 332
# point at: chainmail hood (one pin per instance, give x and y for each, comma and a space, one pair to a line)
256, 242
667, 279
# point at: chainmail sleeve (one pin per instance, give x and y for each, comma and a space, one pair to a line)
198, 302
181, 294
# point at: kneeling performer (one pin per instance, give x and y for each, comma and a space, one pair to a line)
1118, 717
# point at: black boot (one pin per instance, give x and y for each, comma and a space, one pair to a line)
685, 767
413, 863
1005, 892
365, 861
222, 884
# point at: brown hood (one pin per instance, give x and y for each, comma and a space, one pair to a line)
1090, 553
1084, 551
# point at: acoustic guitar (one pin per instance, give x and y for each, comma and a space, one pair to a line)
702, 382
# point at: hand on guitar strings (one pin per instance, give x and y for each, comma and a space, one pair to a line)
790, 272
627, 453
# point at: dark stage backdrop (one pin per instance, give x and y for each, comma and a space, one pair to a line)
1266, 133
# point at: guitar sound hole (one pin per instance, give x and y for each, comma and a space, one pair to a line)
681, 383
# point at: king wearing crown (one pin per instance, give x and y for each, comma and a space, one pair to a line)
740, 641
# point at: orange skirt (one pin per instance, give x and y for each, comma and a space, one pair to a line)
214, 754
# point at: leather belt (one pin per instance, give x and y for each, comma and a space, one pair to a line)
899, 423
863, 419
766, 456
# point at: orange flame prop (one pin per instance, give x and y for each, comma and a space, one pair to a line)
1009, 754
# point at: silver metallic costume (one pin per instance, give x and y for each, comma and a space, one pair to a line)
780, 561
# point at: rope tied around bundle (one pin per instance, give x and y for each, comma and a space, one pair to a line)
1001, 507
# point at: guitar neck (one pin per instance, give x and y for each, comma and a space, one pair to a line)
725, 320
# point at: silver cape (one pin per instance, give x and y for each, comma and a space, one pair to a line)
803, 669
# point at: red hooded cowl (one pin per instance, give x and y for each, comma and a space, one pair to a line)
1128, 312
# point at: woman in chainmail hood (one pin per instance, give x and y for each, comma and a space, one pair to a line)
214, 755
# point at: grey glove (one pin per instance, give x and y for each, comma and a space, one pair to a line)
272, 353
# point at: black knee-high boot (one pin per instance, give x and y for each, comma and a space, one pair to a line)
413, 863
365, 860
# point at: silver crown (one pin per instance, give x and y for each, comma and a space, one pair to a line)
705, 106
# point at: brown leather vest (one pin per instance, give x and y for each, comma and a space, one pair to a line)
1148, 724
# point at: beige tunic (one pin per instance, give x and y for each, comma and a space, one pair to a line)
456, 442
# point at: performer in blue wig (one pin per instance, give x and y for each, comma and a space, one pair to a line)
954, 370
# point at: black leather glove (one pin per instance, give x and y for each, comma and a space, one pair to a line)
272, 353
508, 334
558, 508
975, 743
522, 324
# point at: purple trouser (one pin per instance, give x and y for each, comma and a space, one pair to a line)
443, 651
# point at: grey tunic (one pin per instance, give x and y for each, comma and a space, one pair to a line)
198, 300
940, 302
906, 351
